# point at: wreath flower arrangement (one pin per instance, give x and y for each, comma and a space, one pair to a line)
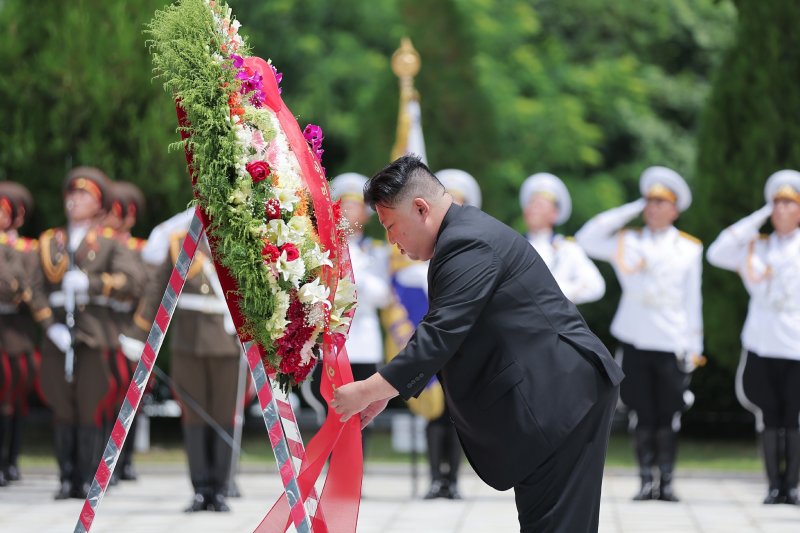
250, 183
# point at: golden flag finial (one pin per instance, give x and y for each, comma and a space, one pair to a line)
405, 60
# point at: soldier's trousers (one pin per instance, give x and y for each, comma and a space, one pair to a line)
210, 383
79, 403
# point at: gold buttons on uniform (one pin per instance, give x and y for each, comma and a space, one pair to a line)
204, 288
91, 255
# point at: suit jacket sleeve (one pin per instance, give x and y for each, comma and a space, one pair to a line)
464, 275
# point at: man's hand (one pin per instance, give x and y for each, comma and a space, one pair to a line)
60, 336
372, 410
131, 348
350, 399
75, 281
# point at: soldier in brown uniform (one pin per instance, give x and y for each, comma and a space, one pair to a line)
14, 288
205, 360
18, 333
126, 203
83, 261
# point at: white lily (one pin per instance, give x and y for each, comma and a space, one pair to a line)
314, 292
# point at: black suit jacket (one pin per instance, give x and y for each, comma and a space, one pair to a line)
519, 366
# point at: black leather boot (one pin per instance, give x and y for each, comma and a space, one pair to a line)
435, 434
644, 443
771, 448
14, 442
194, 438
88, 453
667, 444
792, 440
454, 456
221, 455
64, 441
5, 426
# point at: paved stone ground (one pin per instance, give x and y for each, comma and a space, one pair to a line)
710, 503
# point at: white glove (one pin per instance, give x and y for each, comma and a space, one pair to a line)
60, 336
230, 329
75, 281
131, 348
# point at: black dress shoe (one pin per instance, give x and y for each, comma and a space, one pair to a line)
666, 494
437, 490
128, 473
774, 496
792, 497
63, 491
219, 504
79, 492
3, 480
200, 502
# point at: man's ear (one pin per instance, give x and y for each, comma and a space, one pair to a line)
421, 206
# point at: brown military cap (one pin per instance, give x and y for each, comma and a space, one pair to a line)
90, 179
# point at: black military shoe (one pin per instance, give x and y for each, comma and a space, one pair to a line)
64, 490
451, 493
219, 504
3, 480
128, 473
774, 496
792, 497
12, 473
200, 502
647, 492
437, 490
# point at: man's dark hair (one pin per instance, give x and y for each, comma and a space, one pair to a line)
405, 177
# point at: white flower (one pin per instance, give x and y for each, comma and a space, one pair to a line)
287, 197
315, 258
314, 292
276, 325
345, 294
300, 225
291, 271
236, 25
280, 233
339, 323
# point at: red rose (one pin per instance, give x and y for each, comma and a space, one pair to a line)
291, 250
270, 252
272, 209
259, 170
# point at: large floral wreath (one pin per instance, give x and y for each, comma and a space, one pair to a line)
251, 185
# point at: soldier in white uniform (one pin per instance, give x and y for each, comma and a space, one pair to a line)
768, 380
659, 319
370, 262
546, 203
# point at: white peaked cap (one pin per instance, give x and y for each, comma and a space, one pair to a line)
666, 177
348, 184
462, 184
780, 179
548, 183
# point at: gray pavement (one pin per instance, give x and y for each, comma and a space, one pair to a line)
711, 503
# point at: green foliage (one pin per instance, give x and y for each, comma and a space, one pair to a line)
748, 132
77, 89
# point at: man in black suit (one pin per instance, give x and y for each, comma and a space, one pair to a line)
531, 390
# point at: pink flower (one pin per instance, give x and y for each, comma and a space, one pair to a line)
272, 209
291, 250
259, 170
313, 135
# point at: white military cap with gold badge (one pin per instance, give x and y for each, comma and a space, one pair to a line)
348, 186
665, 184
551, 187
461, 185
783, 185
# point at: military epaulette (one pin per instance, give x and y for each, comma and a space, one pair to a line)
690, 237
109, 233
3, 239
26, 244
136, 244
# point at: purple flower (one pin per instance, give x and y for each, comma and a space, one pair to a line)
278, 77
252, 84
237, 61
313, 135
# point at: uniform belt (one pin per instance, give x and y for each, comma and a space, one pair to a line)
120, 306
203, 304
8, 309
58, 299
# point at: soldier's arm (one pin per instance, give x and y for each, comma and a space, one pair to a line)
125, 279
156, 281
729, 250
38, 302
598, 237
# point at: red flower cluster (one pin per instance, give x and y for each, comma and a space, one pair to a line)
259, 170
291, 250
271, 253
272, 209
292, 341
